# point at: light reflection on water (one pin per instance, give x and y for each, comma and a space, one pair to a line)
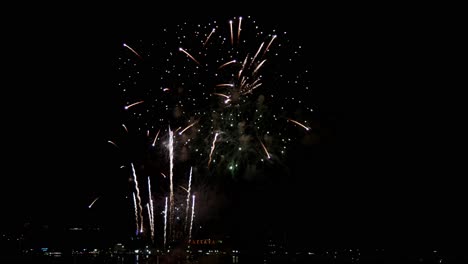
154, 259
127, 259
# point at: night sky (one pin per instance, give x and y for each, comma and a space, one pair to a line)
360, 176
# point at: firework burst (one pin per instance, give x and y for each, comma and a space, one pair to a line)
233, 100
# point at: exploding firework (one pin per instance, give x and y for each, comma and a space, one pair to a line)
233, 100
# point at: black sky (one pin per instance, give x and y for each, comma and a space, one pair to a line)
371, 179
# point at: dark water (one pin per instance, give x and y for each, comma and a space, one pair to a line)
228, 259
140, 259
129, 259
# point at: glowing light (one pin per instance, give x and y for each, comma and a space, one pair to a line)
190, 56
297, 123
212, 147
131, 105
132, 50
92, 203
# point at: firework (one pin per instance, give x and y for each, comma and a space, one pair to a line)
212, 148
190, 56
232, 36
165, 223
239, 30
189, 126
209, 35
92, 203
113, 143
191, 218
151, 208
154, 141
300, 124
136, 214
133, 104
227, 63
171, 182
132, 50
138, 198
229, 100
188, 198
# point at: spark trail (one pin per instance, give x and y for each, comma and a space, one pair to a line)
189, 55
92, 203
300, 124
151, 208
188, 199
265, 149
136, 214
113, 143
269, 44
165, 223
232, 36
155, 138
132, 50
131, 105
226, 64
212, 148
140, 208
189, 126
207, 38
191, 218
171, 182
239, 30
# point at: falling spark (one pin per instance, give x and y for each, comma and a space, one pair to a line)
190, 56
258, 67
256, 54
228, 99
227, 63
148, 209
239, 30
191, 218
155, 138
188, 199
265, 149
136, 213
212, 147
232, 37
171, 186
268, 46
92, 203
245, 62
295, 122
243, 66
223, 95
225, 84
253, 88
165, 223
248, 79
207, 38
113, 143
140, 208
130, 105
136, 53
151, 209
183, 130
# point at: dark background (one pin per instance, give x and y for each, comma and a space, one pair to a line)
378, 177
